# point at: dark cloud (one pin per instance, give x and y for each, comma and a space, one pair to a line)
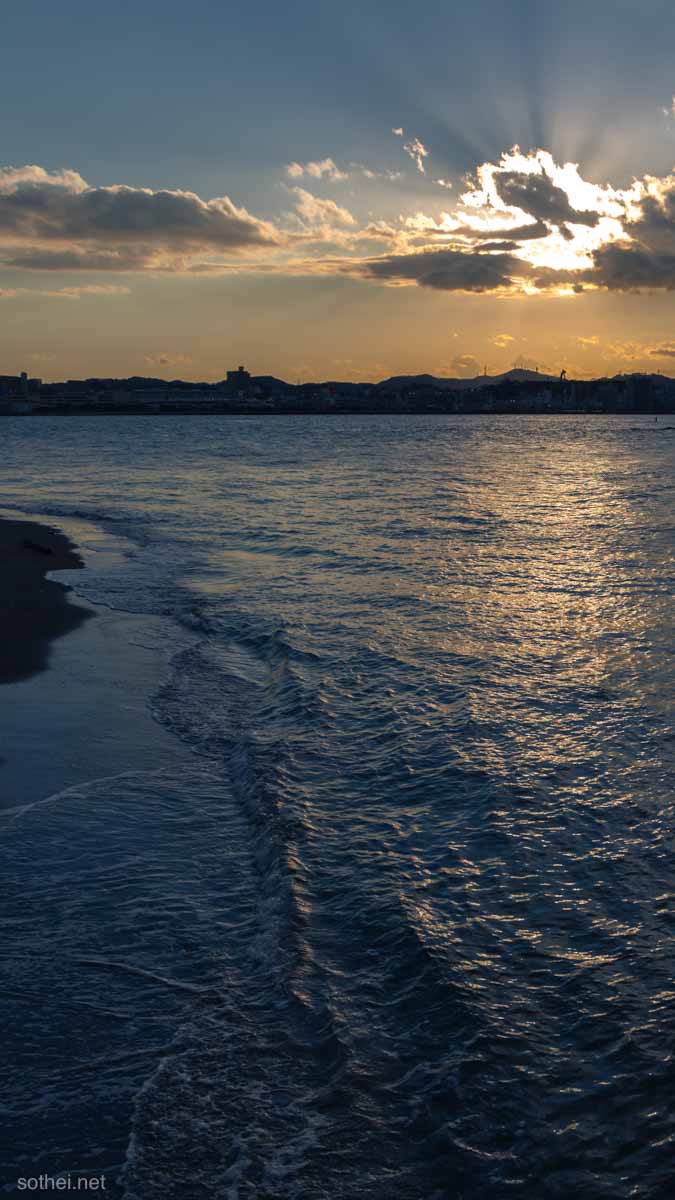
90, 259
646, 259
539, 196
503, 246
655, 225
447, 270
625, 266
37, 211
663, 351
116, 228
520, 233
545, 278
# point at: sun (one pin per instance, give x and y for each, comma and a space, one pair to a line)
547, 214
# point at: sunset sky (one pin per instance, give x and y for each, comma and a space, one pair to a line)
337, 191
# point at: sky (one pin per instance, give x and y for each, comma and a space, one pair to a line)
324, 191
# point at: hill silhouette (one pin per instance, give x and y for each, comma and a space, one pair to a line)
516, 375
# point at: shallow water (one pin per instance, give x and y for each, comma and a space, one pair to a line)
403, 925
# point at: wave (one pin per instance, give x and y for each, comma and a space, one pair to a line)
426, 817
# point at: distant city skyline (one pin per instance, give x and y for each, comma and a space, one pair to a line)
332, 195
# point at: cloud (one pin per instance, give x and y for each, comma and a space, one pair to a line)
316, 211
578, 217
32, 210
502, 340
326, 168
535, 231
66, 293
524, 224
465, 366
87, 259
645, 258
539, 196
347, 369
380, 231
445, 270
374, 173
444, 183
523, 363
13, 177
665, 351
505, 246
417, 152
167, 360
118, 227
626, 267
90, 289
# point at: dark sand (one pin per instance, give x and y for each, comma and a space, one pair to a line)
33, 609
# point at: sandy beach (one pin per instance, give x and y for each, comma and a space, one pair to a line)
34, 610
77, 706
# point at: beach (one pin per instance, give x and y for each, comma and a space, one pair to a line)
73, 708
34, 609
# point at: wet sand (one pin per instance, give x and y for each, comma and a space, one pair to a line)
87, 716
34, 610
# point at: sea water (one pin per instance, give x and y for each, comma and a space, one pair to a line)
400, 923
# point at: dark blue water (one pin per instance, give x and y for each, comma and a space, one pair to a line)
403, 926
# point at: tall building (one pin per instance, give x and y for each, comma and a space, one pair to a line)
238, 381
17, 385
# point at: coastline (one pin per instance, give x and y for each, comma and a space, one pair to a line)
34, 610
77, 707
94, 799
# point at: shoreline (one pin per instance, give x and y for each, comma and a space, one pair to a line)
76, 708
197, 410
34, 610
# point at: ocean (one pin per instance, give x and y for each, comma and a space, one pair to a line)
399, 921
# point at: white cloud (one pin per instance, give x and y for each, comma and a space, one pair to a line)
11, 178
66, 293
325, 168
167, 360
465, 366
417, 152
374, 173
316, 211
414, 149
